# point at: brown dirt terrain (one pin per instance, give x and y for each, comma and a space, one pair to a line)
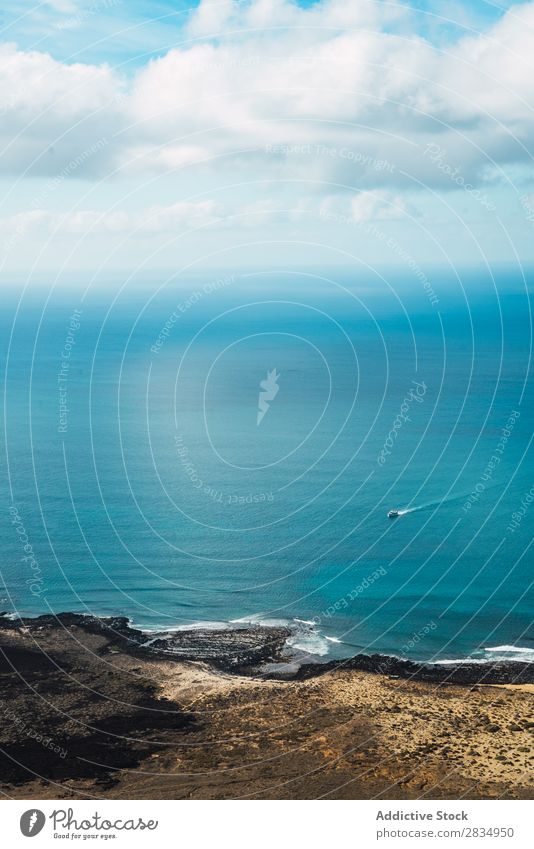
151, 727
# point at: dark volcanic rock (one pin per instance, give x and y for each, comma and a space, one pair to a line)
467, 674
82, 712
247, 648
66, 712
226, 648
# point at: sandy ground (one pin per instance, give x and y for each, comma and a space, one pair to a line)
349, 728
525, 688
199, 733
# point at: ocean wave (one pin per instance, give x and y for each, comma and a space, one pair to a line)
208, 625
510, 649
491, 654
306, 638
217, 625
261, 619
309, 642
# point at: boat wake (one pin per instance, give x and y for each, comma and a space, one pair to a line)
429, 505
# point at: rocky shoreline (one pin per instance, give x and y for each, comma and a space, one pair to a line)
247, 649
93, 708
461, 674
231, 650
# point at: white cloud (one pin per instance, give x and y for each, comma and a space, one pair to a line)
368, 206
365, 206
154, 220
52, 112
211, 18
338, 74
157, 221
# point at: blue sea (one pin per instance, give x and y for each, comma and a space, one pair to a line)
225, 447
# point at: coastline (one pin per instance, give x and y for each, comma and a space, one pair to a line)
160, 721
257, 648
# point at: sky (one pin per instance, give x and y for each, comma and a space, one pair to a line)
141, 136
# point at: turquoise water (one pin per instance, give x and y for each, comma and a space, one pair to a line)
157, 494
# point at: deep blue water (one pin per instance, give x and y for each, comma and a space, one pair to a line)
159, 496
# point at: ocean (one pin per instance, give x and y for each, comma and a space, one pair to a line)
226, 447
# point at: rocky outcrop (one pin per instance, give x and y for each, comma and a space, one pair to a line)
466, 674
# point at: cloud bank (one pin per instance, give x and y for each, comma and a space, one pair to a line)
247, 77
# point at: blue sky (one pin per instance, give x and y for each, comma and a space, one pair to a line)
127, 33
162, 133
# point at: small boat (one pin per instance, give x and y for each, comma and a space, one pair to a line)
393, 514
